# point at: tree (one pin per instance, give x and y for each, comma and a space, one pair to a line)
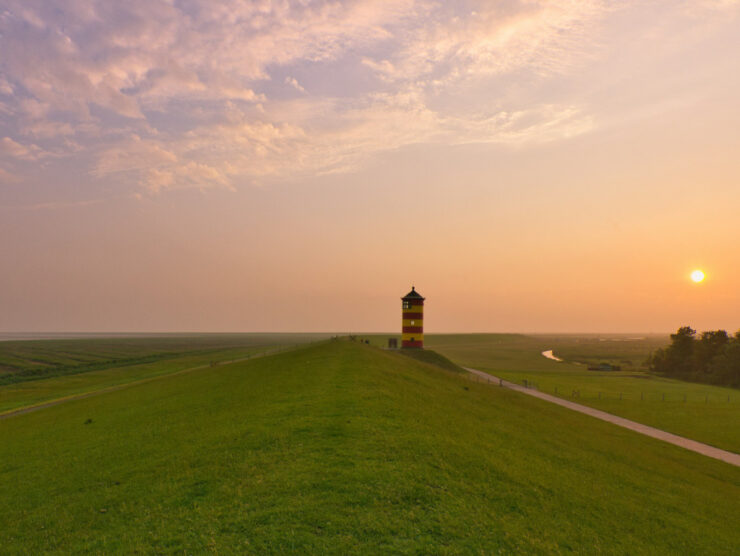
677, 358
713, 358
710, 345
725, 367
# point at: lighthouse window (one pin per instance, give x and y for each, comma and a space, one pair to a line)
407, 305
412, 323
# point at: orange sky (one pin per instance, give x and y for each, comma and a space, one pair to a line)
529, 166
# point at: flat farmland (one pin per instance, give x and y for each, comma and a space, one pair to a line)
709, 414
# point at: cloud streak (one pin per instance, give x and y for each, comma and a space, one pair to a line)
54, 205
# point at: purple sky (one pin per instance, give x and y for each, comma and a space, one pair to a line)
255, 165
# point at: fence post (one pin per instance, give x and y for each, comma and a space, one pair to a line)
642, 396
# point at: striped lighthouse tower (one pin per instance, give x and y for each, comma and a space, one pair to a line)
412, 315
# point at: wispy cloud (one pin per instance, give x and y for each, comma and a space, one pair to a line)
12, 149
195, 94
293, 82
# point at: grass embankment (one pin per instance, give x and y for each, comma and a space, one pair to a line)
36, 392
204, 350
709, 414
343, 448
25, 360
432, 358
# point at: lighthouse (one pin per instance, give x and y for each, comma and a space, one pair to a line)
412, 320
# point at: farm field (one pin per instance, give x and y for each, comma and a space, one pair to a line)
709, 414
340, 447
169, 354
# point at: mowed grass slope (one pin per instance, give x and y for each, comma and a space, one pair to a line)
177, 353
709, 414
35, 392
343, 448
22, 360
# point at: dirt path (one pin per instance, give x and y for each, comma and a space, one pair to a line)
693, 445
83, 395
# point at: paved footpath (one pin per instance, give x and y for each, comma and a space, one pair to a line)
687, 443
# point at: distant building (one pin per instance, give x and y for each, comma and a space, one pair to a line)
412, 320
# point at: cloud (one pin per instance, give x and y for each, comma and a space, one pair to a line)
5, 87
191, 175
43, 128
199, 94
51, 205
131, 155
293, 82
495, 38
13, 149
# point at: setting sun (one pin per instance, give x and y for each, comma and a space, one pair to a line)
697, 276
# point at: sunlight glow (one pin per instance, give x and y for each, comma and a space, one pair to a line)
697, 276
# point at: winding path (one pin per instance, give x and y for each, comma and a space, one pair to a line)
693, 445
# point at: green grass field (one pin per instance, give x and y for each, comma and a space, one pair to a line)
343, 448
190, 352
706, 413
22, 360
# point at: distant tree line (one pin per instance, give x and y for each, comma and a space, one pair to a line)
712, 357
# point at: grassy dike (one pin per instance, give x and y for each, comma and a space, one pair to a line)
36, 392
341, 448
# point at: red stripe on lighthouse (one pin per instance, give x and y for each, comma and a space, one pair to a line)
414, 344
